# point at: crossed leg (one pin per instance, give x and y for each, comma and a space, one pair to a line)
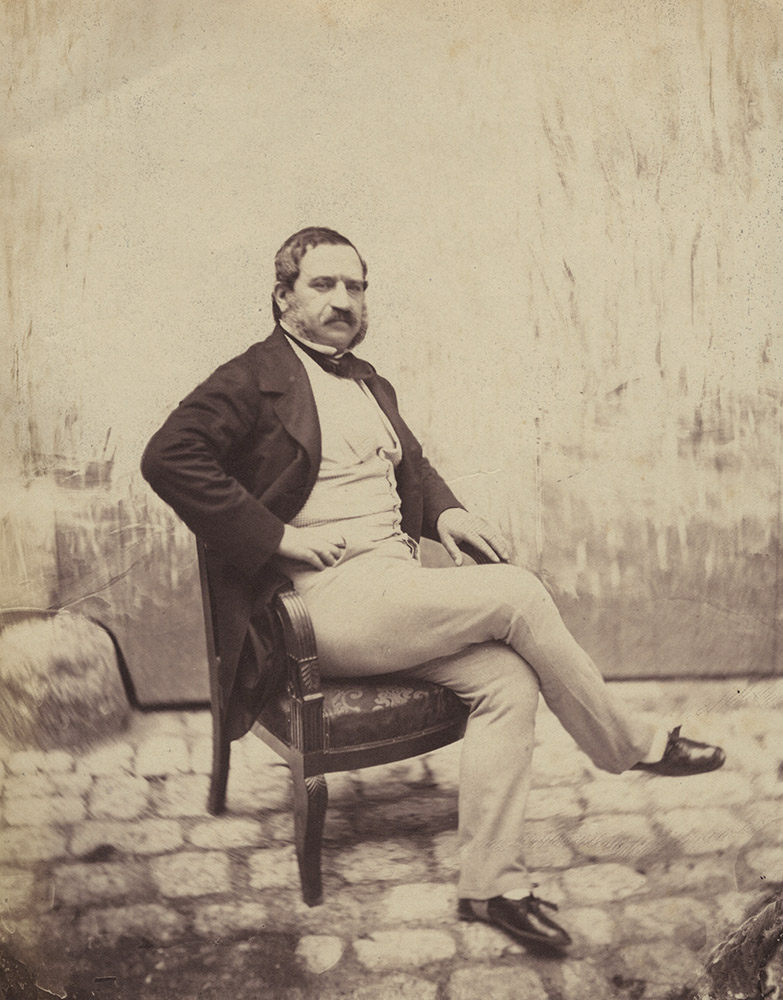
377, 614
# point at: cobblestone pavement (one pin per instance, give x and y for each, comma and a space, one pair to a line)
116, 883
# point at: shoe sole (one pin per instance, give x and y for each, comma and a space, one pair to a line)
654, 771
520, 936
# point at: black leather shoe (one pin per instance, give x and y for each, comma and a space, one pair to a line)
683, 757
523, 919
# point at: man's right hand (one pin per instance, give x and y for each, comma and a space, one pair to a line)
318, 547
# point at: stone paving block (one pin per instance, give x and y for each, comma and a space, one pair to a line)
746, 753
120, 796
340, 910
427, 902
511, 983
408, 773
661, 965
679, 918
703, 874
338, 829
274, 867
549, 729
150, 921
21, 844
399, 987
82, 884
25, 786
279, 826
160, 755
319, 952
480, 941
558, 765
723, 787
384, 788
39, 762
192, 873
224, 832
732, 908
199, 723
70, 783
250, 751
225, 919
582, 980
181, 795
387, 950
265, 788
767, 862
388, 861
704, 831
201, 756
592, 925
55, 810
343, 790
445, 847
616, 794
768, 784
770, 742
622, 836
763, 817
111, 759
145, 725
545, 845
601, 883
408, 815
549, 803
443, 767
146, 836
16, 889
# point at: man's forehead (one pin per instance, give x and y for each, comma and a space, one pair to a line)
331, 259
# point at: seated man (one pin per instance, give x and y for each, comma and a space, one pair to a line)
293, 458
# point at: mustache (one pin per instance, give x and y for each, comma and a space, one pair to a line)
342, 316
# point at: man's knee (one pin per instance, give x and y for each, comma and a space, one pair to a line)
517, 592
518, 582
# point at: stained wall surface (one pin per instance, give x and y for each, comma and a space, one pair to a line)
572, 216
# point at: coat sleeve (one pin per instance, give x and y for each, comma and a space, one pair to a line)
187, 461
436, 497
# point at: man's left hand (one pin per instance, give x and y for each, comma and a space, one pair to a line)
456, 525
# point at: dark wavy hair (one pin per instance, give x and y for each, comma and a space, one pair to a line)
289, 256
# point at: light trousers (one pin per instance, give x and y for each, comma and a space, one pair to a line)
493, 635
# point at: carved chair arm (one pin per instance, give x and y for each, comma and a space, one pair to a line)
298, 641
303, 674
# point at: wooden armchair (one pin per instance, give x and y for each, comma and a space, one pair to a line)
321, 725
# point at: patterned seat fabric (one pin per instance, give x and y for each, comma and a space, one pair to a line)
371, 710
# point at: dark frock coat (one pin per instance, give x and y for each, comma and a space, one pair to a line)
237, 460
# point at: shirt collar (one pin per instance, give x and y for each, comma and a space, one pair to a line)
331, 352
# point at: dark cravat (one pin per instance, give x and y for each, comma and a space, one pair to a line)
346, 366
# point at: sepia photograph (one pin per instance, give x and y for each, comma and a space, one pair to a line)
391, 500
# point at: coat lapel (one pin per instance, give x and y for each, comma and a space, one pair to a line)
386, 401
282, 374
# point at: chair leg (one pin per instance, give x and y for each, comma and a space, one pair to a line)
221, 759
310, 798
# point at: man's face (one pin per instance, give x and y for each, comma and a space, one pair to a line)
326, 304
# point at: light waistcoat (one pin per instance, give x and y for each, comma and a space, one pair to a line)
356, 489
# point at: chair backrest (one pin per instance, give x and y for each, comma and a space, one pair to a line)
210, 624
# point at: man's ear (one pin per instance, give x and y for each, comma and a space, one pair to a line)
280, 294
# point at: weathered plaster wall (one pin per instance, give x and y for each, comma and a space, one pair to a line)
572, 215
